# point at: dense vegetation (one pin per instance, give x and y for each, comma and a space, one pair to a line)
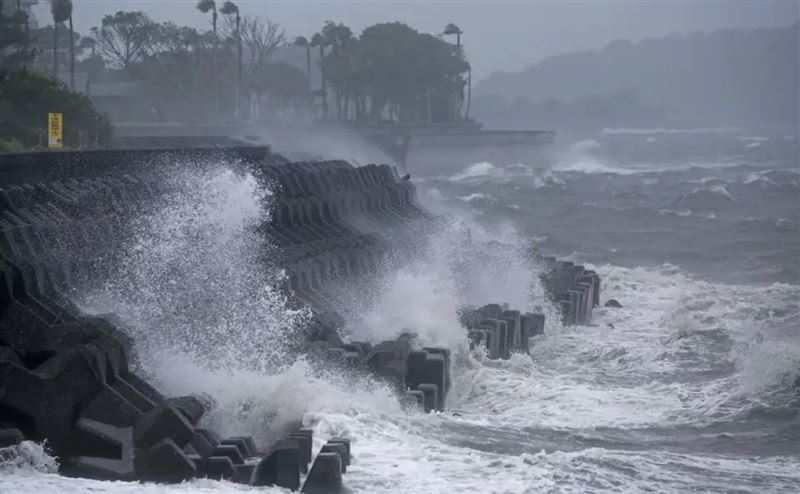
392, 70
389, 71
26, 98
28, 95
177, 73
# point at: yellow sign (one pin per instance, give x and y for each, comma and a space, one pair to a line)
55, 130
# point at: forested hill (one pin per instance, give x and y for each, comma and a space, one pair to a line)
730, 77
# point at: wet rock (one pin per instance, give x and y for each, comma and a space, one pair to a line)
100, 451
280, 467
229, 450
165, 421
10, 437
191, 407
325, 476
346, 442
613, 303
164, 462
201, 445
338, 448
304, 441
429, 368
431, 396
219, 468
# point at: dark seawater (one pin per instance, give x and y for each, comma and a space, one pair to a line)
693, 386
724, 205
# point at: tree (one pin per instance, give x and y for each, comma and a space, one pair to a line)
88, 44
338, 37
318, 40
206, 6
230, 9
415, 76
71, 51
125, 37
61, 10
283, 82
449, 30
302, 41
174, 80
27, 96
261, 39
16, 49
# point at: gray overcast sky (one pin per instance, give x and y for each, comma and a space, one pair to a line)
498, 35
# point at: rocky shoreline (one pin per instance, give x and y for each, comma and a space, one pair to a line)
71, 379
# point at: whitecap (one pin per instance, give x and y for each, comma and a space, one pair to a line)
482, 169
699, 130
475, 196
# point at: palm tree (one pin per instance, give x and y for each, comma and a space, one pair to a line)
71, 51
302, 41
453, 29
61, 10
230, 8
27, 20
206, 6
469, 91
318, 40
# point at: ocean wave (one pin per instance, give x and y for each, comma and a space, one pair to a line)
758, 178
645, 131
478, 170
749, 139
587, 156
26, 457
476, 196
703, 199
685, 213
462, 264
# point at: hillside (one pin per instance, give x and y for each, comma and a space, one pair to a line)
730, 77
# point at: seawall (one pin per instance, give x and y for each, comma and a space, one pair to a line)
73, 380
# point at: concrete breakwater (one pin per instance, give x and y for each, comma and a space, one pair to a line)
72, 379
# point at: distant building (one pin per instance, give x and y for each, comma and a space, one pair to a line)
24, 5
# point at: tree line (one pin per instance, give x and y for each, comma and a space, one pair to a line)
28, 95
387, 72
390, 71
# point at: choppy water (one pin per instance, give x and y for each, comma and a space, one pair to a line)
694, 386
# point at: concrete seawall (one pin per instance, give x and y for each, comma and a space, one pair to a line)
72, 379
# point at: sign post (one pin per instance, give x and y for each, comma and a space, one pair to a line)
55, 130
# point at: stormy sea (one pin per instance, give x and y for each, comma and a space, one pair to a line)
693, 385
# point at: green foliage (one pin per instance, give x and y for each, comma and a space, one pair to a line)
392, 66
229, 8
15, 47
10, 145
281, 81
452, 29
205, 6
61, 10
125, 37
27, 96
